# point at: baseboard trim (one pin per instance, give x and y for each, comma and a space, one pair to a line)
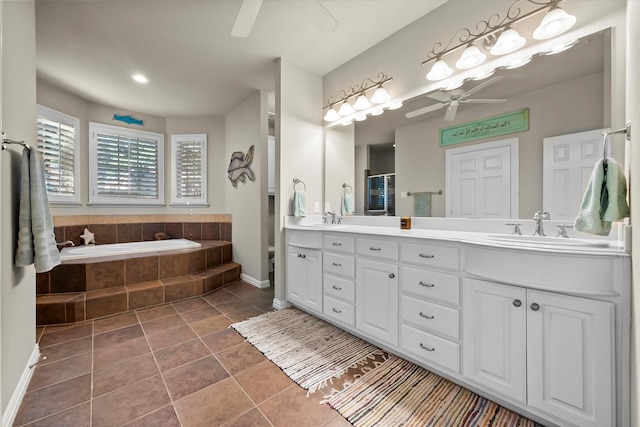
10, 413
255, 282
280, 304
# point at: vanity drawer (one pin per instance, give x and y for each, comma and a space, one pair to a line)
430, 284
433, 317
382, 249
430, 348
340, 311
339, 288
339, 264
431, 256
339, 244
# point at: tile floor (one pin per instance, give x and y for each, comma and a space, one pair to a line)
177, 364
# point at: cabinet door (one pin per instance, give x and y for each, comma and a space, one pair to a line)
570, 358
304, 277
494, 328
377, 300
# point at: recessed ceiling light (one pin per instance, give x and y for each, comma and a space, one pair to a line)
140, 78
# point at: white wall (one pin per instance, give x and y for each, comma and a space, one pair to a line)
246, 125
17, 293
299, 149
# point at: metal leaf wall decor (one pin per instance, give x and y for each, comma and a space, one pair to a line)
240, 167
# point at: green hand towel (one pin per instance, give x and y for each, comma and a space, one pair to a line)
299, 204
347, 205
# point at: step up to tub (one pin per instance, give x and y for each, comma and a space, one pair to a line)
89, 288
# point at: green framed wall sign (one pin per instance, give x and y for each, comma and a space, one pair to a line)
503, 124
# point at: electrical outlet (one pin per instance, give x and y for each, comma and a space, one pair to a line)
316, 207
403, 195
327, 207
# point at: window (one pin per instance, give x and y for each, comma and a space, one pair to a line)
189, 171
126, 166
58, 143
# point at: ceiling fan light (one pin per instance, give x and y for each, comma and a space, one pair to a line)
380, 96
362, 103
439, 71
332, 115
509, 41
517, 63
346, 109
555, 22
471, 57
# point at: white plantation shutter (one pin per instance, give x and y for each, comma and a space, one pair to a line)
58, 145
188, 164
127, 166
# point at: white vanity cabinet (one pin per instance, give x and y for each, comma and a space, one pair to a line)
550, 351
304, 270
339, 279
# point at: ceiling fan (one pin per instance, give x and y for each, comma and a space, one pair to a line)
453, 100
313, 10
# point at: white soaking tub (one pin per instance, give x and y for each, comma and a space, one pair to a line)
93, 251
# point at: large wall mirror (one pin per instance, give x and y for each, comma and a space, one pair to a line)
565, 93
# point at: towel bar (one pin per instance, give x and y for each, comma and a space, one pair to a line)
6, 141
409, 193
297, 181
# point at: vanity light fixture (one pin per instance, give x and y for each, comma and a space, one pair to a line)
497, 35
361, 117
560, 48
453, 85
517, 63
362, 104
394, 105
483, 74
140, 78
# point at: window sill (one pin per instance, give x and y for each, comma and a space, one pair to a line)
64, 204
125, 205
189, 205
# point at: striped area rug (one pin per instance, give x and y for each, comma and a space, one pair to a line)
399, 393
310, 351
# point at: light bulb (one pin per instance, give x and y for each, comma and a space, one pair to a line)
380, 96
362, 103
346, 109
470, 58
439, 71
555, 22
332, 115
509, 41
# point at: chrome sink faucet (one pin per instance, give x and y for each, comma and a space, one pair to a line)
64, 244
333, 217
538, 217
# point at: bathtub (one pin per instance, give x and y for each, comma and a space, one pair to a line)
93, 251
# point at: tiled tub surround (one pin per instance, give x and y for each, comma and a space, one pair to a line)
79, 290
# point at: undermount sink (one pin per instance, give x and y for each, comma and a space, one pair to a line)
547, 241
321, 226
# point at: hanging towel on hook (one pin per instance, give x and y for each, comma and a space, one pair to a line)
299, 204
605, 199
36, 239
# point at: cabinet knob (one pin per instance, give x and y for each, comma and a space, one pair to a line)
335, 310
391, 275
427, 285
303, 256
426, 256
535, 307
517, 302
422, 346
426, 316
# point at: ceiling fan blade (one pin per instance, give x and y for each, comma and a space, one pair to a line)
246, 18
480, 86
424, 110
439, 96
483, 101
451, 112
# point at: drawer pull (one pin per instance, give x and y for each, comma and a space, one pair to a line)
336, 244
427, 348
337, 288
427, 285
336, 264
374, 249
302, 256
335, 310
426, 256
427, 316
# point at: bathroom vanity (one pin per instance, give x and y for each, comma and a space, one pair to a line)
539, 326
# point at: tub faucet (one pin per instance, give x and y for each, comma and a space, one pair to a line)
64, 244
538, 217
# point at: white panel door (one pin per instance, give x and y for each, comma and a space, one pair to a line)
568, 162
377, 300
482, 180
494, 337
570, 358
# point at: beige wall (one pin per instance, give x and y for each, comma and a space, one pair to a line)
570, 107
17, 289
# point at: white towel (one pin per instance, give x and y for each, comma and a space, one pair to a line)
299, 204
36, 239
603, 204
